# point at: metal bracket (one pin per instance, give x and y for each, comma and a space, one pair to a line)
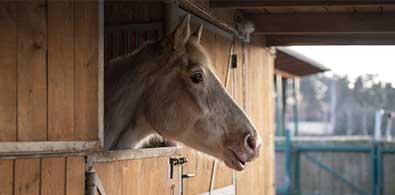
174, 162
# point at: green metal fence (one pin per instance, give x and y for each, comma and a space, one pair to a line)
292, 171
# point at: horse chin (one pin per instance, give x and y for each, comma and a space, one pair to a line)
232, 160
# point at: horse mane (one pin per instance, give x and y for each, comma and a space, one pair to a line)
124, 84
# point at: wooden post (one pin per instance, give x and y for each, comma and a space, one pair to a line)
284, 103
171, 15
279, 105
296, 94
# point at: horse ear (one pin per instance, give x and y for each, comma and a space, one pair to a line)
181, 33
198, 33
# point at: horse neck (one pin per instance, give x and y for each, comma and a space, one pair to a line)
125, 84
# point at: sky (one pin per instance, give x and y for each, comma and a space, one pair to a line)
354, 60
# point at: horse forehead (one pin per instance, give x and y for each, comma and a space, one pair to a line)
198, 54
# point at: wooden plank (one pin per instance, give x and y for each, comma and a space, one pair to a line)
302, 24
104, 171
143, 176
7, 177
275, 3
53, 174
222, 47
31, 59
27, 177
237, 75
60, 70
223, 176
131, 169
75, 175
7, 148
8, 73
199, 165
356, 39
258, 177
108, 156
86, 70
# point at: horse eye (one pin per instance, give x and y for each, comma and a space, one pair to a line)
196, 78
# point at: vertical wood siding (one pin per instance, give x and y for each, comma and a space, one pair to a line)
60, 70
41, 176
31, 69
8, 73
258, 177
147, 176
86, 70
49, 70
122, 42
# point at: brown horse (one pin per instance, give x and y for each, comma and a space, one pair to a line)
169, 88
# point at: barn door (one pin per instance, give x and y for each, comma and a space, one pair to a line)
142, 171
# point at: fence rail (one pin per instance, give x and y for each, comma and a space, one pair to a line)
332, 167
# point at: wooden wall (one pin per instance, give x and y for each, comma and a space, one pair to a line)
43, 176
149, 176
49, 56
49, 71
119, 42
258, 178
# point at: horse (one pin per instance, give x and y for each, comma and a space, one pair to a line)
169, 88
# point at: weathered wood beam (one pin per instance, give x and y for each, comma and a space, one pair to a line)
248, 4
194, 8
303, 24
288, 40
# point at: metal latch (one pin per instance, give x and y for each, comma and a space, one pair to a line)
188, 175
174, 162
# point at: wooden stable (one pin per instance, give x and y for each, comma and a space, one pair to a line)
52, 55
51, 107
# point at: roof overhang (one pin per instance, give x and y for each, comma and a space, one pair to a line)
293, 64
318, 22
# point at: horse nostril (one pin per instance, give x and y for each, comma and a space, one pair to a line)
250, 142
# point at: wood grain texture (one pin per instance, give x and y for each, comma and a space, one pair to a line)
7, 177
58, 175
306, 4
308, 24
258, 177
200, 165
8, 73
86, 59
145, 176
27, 177
31, 60
75, 175
60, 70
53, 174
